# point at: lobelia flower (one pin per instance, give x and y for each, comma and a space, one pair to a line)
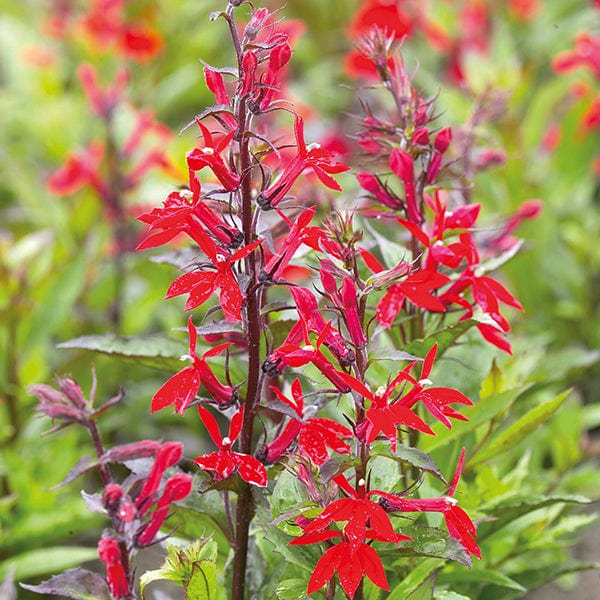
436, 400
353, 557
215, 83
200, 285
417, 288
80, 168
210, 157
321, 161
110, 554
291, 354
181, 389
180, 214
384, 416
460, 526
280, 260
314, 435
225, 462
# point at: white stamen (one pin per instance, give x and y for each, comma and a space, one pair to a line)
380, 391
361, 483
208, 150
226, 441
450, 500
425, 382
185, 357
308, 348
313, 146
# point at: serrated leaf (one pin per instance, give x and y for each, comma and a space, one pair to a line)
153, 350
510, 437
193, 567
77, 584
49, 560
432, 542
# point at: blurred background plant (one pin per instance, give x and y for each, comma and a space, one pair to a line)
521, 77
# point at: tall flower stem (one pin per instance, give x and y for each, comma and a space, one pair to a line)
252, 328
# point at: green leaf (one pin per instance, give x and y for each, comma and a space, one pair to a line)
516, 432
57, 304
425, 589
406, 454
49, 560
432, 542
507, 510
482, 413
152, 350
415, 578
292, 589
479, 575
536, 577
445, 338
448, 595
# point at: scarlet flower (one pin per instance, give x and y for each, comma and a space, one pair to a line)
280, 260
210, 157
384, 416
352, 558
321, 161
417, 288
81, 168
110, 554
293, 355
200, 285
436, 400
225, 462
311, 320
586, 54
402, 164
176, 488
460, 526
181, 389
215, 83
314, 435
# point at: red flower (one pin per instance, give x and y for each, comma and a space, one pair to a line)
224, 462
321, 161
210, 157
181, 389
110, 554
79, 169
314, 435
384, 416
402, 164
352, 558
460, 526
416, 288
436, 400
200, 285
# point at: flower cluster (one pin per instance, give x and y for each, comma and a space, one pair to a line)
243, 208
138, 506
